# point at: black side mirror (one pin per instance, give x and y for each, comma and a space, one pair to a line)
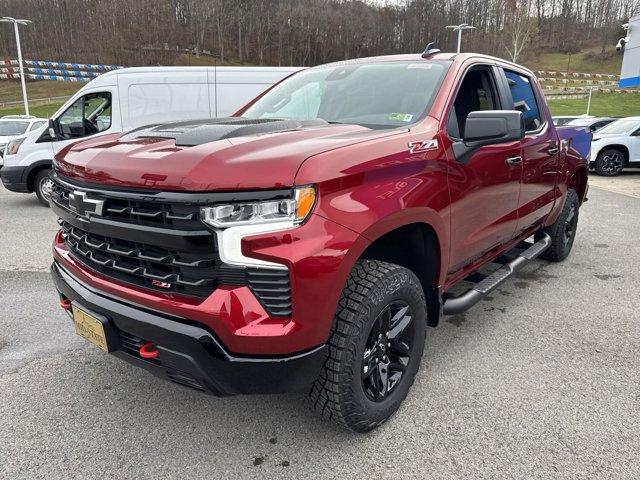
50, 134
487, 127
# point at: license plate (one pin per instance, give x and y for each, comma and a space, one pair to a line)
89, 327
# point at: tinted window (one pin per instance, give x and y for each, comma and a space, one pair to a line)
386, 94
524, 100
477, 92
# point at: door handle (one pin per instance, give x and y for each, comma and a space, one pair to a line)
514, 160
553, 150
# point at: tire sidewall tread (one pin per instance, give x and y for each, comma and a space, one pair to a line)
338, 394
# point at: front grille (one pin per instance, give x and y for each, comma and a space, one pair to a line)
159, 245
189, 273
140, 212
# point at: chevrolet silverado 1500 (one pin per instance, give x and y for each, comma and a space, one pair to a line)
307, 242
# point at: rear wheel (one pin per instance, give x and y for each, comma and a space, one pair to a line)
563, 231
610, 162
375, 347
42, 185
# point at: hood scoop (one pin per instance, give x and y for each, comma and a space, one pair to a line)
196, 132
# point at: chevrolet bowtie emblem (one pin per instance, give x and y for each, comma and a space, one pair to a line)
83, 206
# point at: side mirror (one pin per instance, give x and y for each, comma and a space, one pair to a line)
487, 127
52, 130
49, 134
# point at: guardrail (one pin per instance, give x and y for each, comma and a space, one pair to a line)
38, 101
59, 71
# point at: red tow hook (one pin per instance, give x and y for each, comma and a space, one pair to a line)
148, 350
65, 304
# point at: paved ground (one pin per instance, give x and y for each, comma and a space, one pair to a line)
628, 182
541, 381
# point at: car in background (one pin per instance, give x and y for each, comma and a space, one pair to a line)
616, 146
560, 120
13, 125
594, 123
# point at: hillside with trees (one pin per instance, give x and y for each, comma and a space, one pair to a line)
305, 32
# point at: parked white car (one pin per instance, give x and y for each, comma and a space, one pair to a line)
12, 126
124, 99
616, 146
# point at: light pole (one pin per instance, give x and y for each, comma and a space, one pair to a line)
591, 87
459, 29
17, 22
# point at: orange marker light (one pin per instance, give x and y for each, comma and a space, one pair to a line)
305, 199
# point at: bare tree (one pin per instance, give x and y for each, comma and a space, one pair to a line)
521, 28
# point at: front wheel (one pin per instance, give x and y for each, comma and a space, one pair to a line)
375, 347
42, 185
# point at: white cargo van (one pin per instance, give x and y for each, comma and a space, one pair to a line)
124, 99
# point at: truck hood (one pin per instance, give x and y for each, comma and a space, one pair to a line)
212, 155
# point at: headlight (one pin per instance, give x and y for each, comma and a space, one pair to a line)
13, 146
294, 210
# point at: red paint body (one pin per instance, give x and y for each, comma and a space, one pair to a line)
368, 184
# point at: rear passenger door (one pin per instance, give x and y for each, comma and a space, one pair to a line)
539, 151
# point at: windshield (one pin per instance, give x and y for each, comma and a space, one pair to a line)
375, 95
620, 126
8, 128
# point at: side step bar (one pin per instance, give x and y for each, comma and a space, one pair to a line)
455, 305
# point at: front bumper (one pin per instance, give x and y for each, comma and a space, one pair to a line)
188, 355
14, 179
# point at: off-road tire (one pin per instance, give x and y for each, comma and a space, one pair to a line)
40, 186
610, 162
560, 244
338, 393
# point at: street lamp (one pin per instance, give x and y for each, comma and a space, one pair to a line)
17, 22
459, 29
591, 87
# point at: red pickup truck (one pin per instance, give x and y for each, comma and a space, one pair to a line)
308, 241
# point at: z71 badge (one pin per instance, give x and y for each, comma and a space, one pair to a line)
423, 146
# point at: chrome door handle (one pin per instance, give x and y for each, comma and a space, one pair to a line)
553, 150
514, 160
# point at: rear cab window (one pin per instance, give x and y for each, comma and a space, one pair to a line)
524, 99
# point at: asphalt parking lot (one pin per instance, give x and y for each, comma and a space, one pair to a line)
540, 381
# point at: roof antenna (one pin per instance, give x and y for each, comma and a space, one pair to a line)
431, 49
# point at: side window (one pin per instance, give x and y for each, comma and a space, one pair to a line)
477, 92
36, 125
86, 116
524, 100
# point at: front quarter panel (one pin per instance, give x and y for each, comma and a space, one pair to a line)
376, 187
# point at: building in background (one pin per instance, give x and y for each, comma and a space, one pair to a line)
630, 73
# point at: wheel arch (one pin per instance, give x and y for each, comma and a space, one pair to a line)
616, 146
34, 169
417, 247
578, 181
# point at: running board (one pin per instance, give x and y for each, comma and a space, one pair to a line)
455, 305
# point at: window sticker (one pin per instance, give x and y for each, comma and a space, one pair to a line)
401, 117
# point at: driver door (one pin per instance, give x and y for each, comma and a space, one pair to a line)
91, 114
484, 184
